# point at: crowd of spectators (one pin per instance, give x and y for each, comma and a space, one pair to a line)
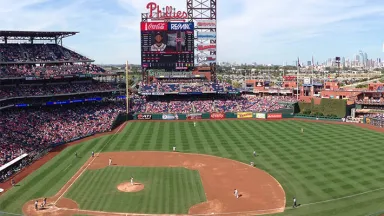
37, 53
49, 70
371, 101
33, 130
234, 104
186, 87
53, 89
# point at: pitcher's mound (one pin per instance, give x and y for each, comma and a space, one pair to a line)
129, 188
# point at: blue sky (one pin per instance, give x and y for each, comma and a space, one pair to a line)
262, 31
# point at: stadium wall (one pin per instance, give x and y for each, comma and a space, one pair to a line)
333, 108
280, 114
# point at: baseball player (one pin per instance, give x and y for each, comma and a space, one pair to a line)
93, 154
36, 205
158, 45
45, 201
194, 124
294, 202
13, 182
110, 161
174, 148
302, 130
132, 180
75, 154
254, 153
236, 194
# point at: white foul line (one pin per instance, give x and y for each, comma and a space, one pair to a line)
105, 144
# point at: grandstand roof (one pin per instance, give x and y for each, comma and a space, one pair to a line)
37, 34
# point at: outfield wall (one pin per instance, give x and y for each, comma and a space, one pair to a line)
286, 113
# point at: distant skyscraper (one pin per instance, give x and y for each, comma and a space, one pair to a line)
309, 63
343, 62
365, 59
361, 55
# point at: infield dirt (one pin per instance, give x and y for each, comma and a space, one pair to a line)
259, 192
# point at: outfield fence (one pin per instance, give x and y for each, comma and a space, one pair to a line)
285, 113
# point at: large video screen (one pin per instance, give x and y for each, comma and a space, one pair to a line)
167, 45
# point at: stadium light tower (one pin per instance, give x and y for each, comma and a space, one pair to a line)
204, 12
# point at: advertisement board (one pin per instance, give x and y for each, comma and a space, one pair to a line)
259, 115
181, 26
167, 45
144, 116
274, 116
170, 117
206, 47
242, 115
206, 24
195, 116
307, 80
206, 35
158, 93
217, 116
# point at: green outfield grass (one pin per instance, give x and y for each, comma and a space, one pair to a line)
329, 168
167, 190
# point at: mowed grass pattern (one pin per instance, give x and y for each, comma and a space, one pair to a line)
167, 190
326, 162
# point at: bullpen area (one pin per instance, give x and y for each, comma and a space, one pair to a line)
332, 169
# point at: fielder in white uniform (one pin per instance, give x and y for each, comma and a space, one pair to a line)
131, 180
110, 161
236, 194
194, 124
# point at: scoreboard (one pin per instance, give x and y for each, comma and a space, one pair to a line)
167, 45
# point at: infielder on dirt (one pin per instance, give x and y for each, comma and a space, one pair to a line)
236, 194
110, 161
131, 180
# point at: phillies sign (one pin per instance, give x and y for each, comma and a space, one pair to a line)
181, 26
209, 47
154, 26
167, 13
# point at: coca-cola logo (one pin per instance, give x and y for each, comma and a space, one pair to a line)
154, 26
217, 115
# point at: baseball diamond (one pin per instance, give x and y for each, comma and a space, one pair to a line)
336, 174
169, 130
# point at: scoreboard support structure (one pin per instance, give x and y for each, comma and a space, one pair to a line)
198, 10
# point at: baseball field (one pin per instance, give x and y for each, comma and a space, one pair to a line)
332, 169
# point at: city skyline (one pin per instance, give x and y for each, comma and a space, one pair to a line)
266, 32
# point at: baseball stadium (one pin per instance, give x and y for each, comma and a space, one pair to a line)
77, 138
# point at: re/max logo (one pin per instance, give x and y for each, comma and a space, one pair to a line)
180, 26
